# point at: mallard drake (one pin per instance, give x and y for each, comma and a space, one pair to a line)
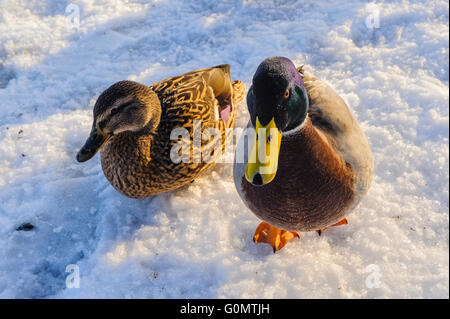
134, 127
317, 163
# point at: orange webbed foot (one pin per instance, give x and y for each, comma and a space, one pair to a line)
342, 222
275, 237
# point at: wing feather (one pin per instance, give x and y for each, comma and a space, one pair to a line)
331, 117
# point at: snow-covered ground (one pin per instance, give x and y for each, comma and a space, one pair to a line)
389, 61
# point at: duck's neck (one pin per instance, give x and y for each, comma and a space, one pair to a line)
298, 129
119, 145
151, 127
155, 119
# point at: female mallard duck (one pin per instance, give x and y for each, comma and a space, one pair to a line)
134, 125
311, 162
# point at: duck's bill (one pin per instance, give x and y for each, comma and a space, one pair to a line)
263, 161
94, 142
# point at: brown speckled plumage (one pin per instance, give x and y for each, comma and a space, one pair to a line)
138, 164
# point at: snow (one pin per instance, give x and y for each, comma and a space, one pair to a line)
196, 242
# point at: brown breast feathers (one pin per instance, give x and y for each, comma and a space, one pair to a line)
313, 187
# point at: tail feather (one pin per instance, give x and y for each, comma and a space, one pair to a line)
238, 92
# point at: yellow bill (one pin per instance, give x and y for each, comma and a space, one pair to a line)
263, 162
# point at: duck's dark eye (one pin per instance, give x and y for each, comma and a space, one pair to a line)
115, 111
286, 94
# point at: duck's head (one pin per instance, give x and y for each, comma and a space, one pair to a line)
278, 103
124, 106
